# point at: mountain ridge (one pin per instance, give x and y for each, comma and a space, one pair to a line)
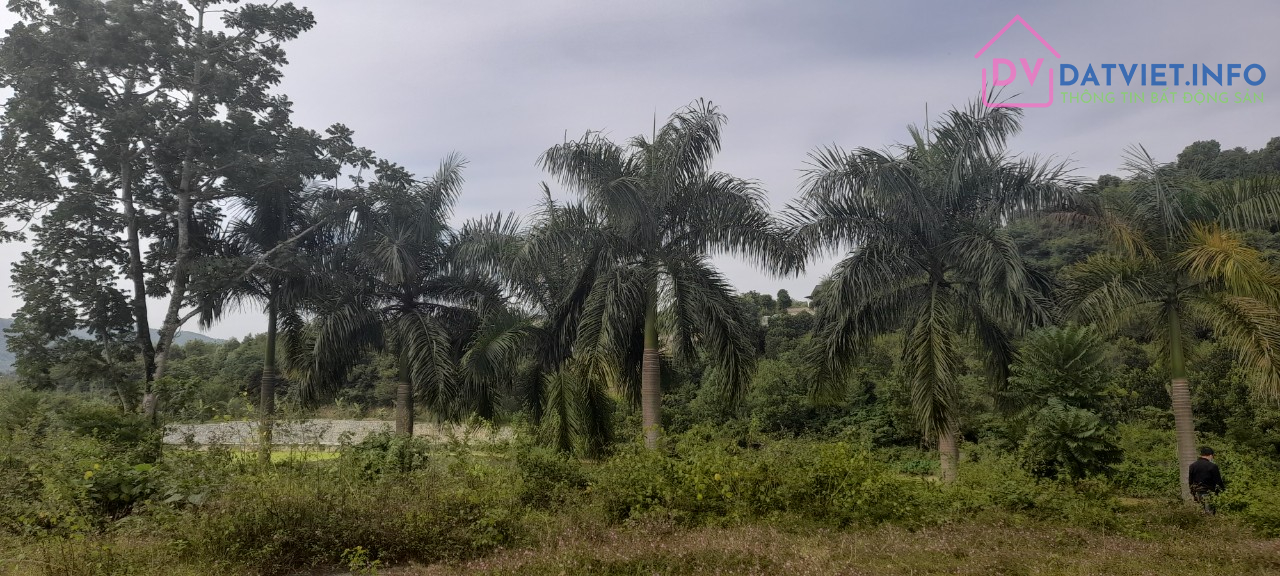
7, 358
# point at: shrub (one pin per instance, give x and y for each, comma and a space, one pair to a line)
1150, 465
546, 476
995, 482
712, 480
306, 518
1064, 440
1252, 494
386, 453
66, 484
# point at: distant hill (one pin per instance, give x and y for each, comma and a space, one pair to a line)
6, 357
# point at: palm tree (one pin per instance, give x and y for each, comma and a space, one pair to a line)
279, 231
525, 351
663, 213
1178, 258
927, 253
394, 284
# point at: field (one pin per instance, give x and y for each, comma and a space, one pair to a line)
981, 547
703, 505
969, 548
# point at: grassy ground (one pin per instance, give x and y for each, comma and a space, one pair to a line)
976, 548
1163, 539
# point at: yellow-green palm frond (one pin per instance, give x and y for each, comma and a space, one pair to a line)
1250, 328
1218, 257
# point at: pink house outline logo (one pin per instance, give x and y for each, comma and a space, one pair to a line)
1031, 72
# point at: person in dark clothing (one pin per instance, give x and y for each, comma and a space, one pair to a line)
1205, 479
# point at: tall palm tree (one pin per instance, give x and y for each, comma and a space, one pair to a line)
663, 214
927, 253
279, 229
548, 268
1178, 257
395, 284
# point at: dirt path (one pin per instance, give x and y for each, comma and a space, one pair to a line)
313, 432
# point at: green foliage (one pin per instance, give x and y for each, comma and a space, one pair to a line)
548, 477
1252, 494
67, 465
709, 480
384, 453
945, 287
1065, 440
784, 300
1057, 385
298, 518
1066, 363
996, 482
1150, 465
786, 333
779, 400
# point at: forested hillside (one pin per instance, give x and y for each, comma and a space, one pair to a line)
7, 357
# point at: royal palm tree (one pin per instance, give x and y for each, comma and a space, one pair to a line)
279, 232
525, 351
1179, 260
662, 214
395, 284
927, 253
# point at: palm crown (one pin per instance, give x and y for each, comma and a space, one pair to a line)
927, 253
1179, 258
657, 213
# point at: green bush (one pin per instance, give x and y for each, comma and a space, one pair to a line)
1252, 494
713, 480
993, 481
547, 477
1150, 465
386, 453
66, 484
19, 409
1068, 441
292, 519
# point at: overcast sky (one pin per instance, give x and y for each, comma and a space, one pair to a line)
499, 82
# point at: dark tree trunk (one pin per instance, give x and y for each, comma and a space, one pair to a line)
267, 387
138, 300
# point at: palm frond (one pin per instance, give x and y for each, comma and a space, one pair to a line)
1247, 203
932, 361
1107, 290
707, 316
1251, 329
1218, 257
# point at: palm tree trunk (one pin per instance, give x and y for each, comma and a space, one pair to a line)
404, 399
267, 386
651, 374
949, 453
1180, 394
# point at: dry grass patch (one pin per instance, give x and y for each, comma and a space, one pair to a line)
978, 549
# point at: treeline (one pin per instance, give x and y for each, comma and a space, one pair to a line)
976, 295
